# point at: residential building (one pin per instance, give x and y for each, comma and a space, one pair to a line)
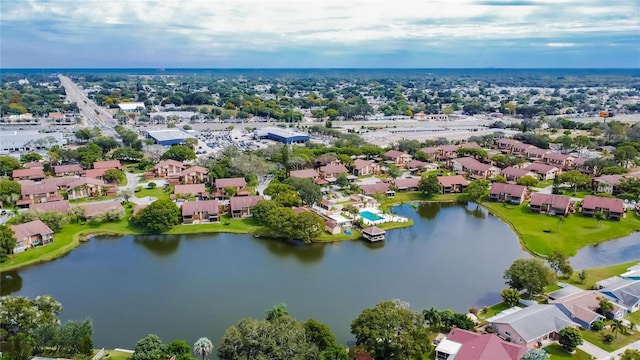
372, 189
31, 234
33, 165
473, 168
407, 184
90, 187
195, 175
506, 144
544, 171
331, 172
514, 174
108, 164
168, 169
241, 206
304, 174
452, 184
67, 170
93, 209
195, 212
35, 174
399, 158
432, 152
613, 209
196, 190
531, 326
95, 173
332, 227
561, 161
519, 149
60, 182
609, 184
534, 153
467, 345
550, 204
622, 292
364, 167
58, 206
581, 305
238, 184
633, 273
33, 193
509, 193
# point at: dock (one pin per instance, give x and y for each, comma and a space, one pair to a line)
373, 234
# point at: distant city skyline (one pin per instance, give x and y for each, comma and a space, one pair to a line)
301, 34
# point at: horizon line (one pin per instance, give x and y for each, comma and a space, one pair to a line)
321, 68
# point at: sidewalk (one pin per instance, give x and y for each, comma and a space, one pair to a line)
594, 351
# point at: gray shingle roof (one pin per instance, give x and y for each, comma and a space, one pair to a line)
536, 320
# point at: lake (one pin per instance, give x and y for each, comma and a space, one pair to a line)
198, 285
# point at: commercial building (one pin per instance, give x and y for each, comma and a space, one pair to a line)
25, 141
281, 135
168, 137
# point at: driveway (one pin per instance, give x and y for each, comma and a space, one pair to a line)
132, 182
594, 351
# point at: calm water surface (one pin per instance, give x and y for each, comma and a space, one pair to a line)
198, 285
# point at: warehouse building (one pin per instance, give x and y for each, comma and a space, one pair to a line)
25, 141
281, 135
131, 107
168, 137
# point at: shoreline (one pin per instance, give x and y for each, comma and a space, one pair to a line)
250, 228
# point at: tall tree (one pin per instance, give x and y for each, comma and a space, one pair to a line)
531, 275
7, 242
179, 153
429, 184
393, 171
158, 217
559, 262
476, 189
203, 347
391, 331
569, 338
149, 347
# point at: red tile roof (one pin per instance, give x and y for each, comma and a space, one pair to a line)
484, 346
393, 154
60, 182
407, 183
507, 141
430, 149
93, 209
60, 206
540, 168
533, 150
238, 182
413, 164
29, 229
195, 169
33, 188
334, 169
239, 202
512, 190
192, 207
593, 202
556, 201
372, 230
473, 164
359, 164
71, 168
556, 157
304, 174
190, 189
370, 189
169, 162
514, 171
33, 165
86, 181
95, 173
108, 164
610, 179
448, 181
31, 173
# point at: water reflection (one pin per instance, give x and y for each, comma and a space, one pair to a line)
608, 253
305, 253
161, 245
10, 282
475, 211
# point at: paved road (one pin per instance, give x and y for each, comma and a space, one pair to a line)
93, 114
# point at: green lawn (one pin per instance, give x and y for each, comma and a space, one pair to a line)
595, 337
117, 355
92, 199
576, 194
404, 197
596, 274
576, 233
493, 310
157, 192
557, 353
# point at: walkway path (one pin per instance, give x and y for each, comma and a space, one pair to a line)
594, 351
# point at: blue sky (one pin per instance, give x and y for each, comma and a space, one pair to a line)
325, 34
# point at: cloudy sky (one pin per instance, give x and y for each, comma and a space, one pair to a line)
325, 34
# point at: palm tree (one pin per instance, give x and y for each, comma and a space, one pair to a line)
616, 326
203, 347
561, 220
599, 215
432, 316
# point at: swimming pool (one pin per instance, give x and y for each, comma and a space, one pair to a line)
371, 216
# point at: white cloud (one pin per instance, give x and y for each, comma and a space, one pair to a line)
560, 45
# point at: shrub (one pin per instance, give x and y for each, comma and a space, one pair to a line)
473, 311
151, 185
607, 339
597, 325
